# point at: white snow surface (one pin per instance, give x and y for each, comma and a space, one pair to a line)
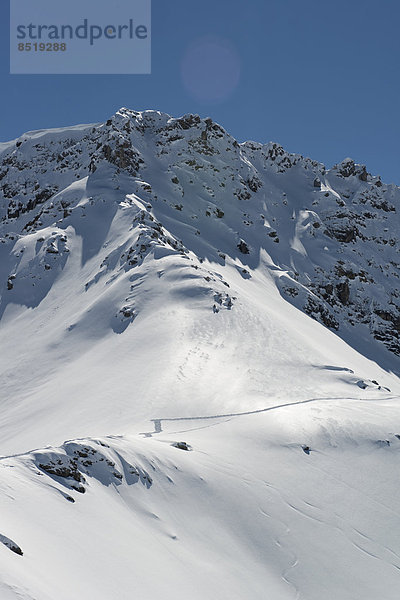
173, 420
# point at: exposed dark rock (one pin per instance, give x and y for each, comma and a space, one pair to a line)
11, 545
181, 445
65, 472
388, 316
243, 247
363, 175
320, 312
253, 183
343, 292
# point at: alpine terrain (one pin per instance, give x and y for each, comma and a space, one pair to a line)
200, 392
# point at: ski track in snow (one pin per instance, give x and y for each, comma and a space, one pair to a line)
158, 422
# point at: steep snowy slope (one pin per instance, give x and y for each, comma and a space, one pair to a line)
157, 281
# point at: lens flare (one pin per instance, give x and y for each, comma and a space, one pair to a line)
210, 70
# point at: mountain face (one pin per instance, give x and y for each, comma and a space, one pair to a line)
215, 328
330, 235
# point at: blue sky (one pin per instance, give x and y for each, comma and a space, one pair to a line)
321, 78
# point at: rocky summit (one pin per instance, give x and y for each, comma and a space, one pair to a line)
327, 237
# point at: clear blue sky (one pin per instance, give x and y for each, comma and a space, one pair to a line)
321, 78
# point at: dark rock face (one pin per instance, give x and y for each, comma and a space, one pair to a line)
243, 247
343, 235
11, 545
348, 168
343, 292
181, 446
320, 312
65, 472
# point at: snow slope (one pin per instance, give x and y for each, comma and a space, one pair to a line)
162, 284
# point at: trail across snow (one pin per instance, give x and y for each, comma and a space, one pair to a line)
158, 422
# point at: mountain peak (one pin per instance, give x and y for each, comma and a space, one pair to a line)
215, 329
326, 230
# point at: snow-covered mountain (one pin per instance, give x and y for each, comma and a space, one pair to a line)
215, 328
